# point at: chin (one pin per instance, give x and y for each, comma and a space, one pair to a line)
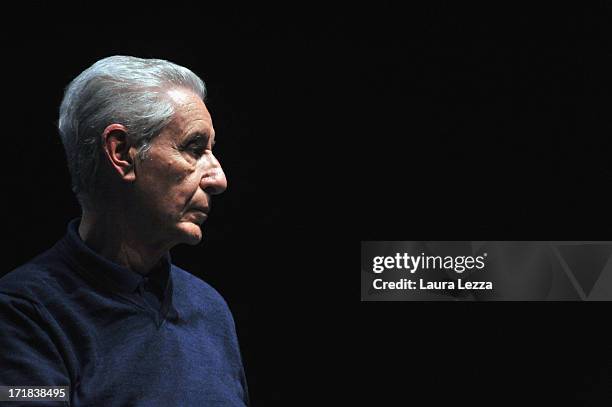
191, 233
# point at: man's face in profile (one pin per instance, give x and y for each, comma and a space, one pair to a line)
175, 180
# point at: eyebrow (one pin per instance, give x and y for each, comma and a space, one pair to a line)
197, 136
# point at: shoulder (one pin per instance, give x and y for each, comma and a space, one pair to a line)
36, 279
24, 292
196, 291
187, 282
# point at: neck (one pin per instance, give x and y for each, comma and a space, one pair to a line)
113, 236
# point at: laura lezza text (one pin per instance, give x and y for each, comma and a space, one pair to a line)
421, 284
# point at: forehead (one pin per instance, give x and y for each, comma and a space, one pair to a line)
191, 114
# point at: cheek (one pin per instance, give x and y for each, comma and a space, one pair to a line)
184, 189
171, 184
180, 191
166, 187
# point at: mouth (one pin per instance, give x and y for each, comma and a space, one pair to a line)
203, 209
199, 215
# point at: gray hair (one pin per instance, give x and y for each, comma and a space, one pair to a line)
118, 89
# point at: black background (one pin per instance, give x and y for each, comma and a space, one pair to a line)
437, 122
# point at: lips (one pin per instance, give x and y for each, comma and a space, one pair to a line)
198, 216
204, 210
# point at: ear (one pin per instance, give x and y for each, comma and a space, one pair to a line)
118, 151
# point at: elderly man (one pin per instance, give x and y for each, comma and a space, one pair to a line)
104, 311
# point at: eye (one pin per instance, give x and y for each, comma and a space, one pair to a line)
197, 149
197, 145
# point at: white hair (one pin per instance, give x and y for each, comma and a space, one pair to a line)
119, 89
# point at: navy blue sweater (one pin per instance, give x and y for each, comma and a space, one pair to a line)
72, 318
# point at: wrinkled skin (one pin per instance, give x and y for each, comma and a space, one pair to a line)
175, 181
157, 202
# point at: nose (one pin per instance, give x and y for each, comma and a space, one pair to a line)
213, 181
